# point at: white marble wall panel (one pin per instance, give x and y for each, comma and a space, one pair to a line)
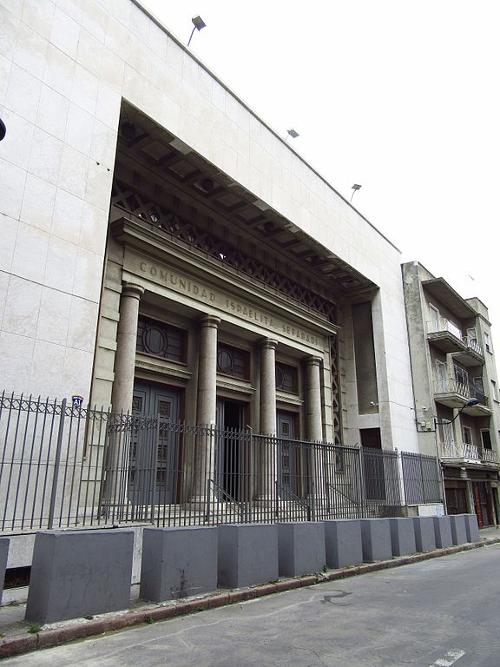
64, 68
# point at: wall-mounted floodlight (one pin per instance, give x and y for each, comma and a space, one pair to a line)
3, 129
198, 24
355, 188
291, 133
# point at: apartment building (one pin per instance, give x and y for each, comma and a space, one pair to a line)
457, 409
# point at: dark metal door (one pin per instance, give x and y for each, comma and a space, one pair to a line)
154, 446
228, 454
287, 454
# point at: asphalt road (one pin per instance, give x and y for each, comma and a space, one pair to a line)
441, 612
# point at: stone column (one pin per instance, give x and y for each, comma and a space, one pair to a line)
126, 340
313, 400
314, 427
204, 464
266, 448
268, 387
117, 455
207, 372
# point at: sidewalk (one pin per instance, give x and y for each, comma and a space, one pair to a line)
19, 637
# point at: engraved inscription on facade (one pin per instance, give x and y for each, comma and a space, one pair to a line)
184, 285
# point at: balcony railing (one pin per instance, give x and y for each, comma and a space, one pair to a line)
477, 393
444, 325
466, 451
466, 391
488, 456
473, 345
452, 386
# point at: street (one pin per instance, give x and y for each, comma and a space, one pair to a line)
439, 612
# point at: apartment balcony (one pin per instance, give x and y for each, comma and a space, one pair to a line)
456, 395
451, 393
446, 336
472, 355
466, 453
480, 409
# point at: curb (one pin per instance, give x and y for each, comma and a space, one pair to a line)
48, 638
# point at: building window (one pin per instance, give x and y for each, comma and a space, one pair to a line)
486, 438
287, 378
434, 319
461, 375
487, 342
160, 339
467, 435
232, 361
494, 390
441, 376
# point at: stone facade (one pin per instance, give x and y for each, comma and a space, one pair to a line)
65, 71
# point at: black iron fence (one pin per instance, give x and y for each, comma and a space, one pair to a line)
422, 478
62, 466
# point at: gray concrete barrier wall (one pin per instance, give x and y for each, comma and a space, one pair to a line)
471, 528
301, 548
425, 537
247, 554
4, 555
442, 531
402, 536
376, 539
177, 562
79, 573
458, 530
343, 543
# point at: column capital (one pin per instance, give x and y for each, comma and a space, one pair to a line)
268, 343
210, 321
132, 290
313, 361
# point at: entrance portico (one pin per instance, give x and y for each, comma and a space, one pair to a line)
223, 365
246, 338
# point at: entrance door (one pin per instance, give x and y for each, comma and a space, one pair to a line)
230, 451
154, 451
483, 504
373, 463
288, 483
456, 496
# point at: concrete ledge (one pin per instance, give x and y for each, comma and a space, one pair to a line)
4, 555
343, 542
425, 538
178, 562
301, 548
442, 531
376, 539
247, 554
54, 637
402, 536
79, 573
458, 529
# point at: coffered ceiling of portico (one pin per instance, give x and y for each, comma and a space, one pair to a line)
161, 169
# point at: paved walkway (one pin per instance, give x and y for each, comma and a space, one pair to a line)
438, 612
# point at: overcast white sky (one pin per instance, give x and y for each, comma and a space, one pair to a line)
401, 96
